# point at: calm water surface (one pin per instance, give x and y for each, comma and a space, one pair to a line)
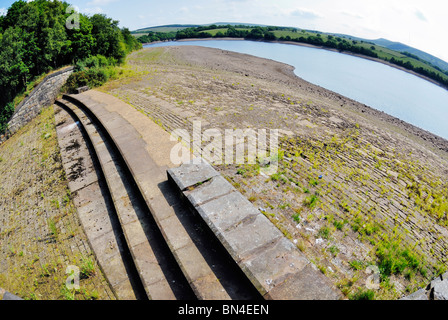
379, 86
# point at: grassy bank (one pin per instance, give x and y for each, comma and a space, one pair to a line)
40, 234
96, 71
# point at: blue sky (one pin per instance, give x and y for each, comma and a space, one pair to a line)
418, 23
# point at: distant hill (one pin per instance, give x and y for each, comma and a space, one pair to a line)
397, 46
403, 48
177, 27
165, 28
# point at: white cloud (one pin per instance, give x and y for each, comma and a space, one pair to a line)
184, 10
305, 14
351, 14
420, 15
3, 11
96, 6
93, 10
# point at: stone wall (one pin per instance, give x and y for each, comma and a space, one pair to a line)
43, 95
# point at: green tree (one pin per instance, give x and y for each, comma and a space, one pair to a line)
256, 33
52, 33
130, 41
269, 36
13, 15
82, 42
34, 40
14, 73
109, 39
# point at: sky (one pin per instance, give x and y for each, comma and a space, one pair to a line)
418, 23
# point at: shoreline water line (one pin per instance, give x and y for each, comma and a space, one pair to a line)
301, 44
383, 88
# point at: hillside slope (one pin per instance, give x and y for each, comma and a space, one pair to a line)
400, 47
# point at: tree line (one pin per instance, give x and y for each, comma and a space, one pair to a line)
260, 33
34, 39
310, 37
420, 70
413, 56
157, 36
237, 31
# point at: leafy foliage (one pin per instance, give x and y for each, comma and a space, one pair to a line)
363, 294
5, 114
394, 259
34, 39
93, 71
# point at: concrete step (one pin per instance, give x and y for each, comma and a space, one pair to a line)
5, 295
169, 214
274, 265
130, 214
95, 208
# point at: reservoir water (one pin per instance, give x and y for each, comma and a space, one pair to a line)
377, 85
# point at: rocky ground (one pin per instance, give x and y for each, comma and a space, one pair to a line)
40, 232
355, 187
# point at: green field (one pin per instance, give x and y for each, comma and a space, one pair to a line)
223, 30
165, 29
137, 35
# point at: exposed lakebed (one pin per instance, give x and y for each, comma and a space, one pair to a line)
374, 167
397, 93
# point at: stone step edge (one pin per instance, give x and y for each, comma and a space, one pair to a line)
5, 295
114, 279
272, 263
197, 279
166, 293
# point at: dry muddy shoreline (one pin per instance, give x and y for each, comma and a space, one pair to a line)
352, 181
387, 63
435, 142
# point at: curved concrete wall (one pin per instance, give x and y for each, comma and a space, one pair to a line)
43, 95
